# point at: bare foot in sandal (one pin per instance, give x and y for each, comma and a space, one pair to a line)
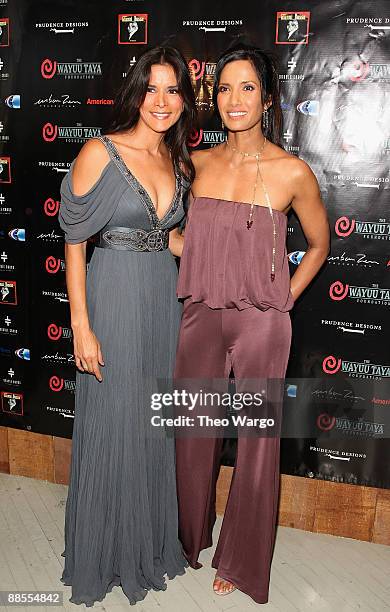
222, 586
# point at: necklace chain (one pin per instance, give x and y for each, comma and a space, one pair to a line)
256, 155
267, 198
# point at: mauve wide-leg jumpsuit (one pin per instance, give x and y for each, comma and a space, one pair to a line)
233, 317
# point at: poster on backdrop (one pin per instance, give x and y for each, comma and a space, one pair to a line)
60, 66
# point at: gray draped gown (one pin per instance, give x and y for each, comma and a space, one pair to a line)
121, 511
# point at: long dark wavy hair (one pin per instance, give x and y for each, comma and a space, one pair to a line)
125, 112
267, 72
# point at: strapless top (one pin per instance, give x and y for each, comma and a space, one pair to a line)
225, 265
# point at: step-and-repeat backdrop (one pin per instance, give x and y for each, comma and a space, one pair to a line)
61, 62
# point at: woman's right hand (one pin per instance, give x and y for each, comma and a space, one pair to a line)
87, 352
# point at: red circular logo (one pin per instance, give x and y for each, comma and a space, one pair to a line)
56, 383
197, 68
325, 421
54, 331
358, 70
51, 207
195, 138
331, 365
52, 264
338, 291
49, 132
48, 69
344, 226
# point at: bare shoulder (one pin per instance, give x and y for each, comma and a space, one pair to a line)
292, 167
200, 158
304, 184
93, 152
89, 164
206, 158
298, 169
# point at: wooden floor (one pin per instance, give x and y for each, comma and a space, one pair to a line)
310, 571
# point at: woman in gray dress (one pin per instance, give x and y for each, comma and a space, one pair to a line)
126, 189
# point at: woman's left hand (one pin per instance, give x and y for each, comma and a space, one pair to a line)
176, 242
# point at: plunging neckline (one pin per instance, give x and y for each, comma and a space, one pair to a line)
140, 189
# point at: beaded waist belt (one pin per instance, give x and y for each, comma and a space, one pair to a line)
132, 239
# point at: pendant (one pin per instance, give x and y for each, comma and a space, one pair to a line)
249, 223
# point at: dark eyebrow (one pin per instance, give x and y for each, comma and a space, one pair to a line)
169, 86
242, 83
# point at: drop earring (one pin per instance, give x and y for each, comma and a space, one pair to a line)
265, 121
222, 125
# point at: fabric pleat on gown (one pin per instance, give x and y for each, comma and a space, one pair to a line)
121, 525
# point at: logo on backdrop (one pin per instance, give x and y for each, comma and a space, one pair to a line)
53, 265
23, 353
363, 295
50, 237
287, 137
3, 137
200, 69
295, 257
13, 101
51, 207
7, 326
359, 260
100, 101
67, 413
359, 71
212, 25
4, 75
12, 402
132, 63
4, 32
8, 293
334, 454
291, 75
56, 384
292, 28
55, 332
364, 181
355, 369
18, 234
202, 77
353, 327
5, 169
58, 358
132, 29
4, 210
375, 25
206, 137
309, 107
62, 101
376, 230
61, 27
75, 133
325, 421
350, 427
4, 265
70, 70
56, 166
57, 296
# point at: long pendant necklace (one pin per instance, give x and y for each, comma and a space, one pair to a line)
249, 222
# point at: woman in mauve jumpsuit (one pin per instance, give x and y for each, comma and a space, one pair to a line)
235, 283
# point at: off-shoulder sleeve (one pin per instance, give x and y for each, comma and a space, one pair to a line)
81, 217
